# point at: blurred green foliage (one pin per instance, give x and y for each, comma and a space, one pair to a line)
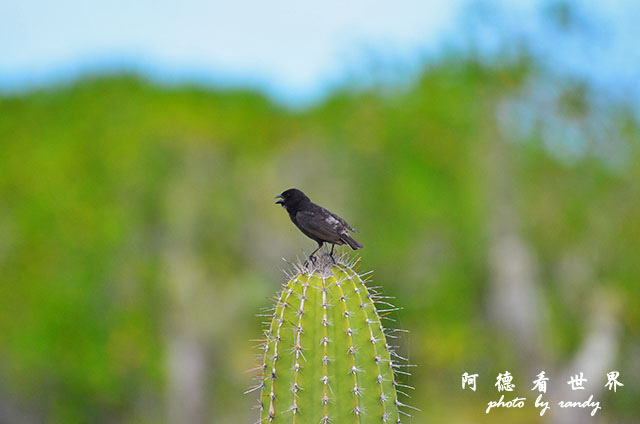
85, 171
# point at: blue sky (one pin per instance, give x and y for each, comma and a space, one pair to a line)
291, 49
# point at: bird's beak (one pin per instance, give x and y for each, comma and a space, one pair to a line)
281, 201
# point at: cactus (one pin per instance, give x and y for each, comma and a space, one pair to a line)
326, 358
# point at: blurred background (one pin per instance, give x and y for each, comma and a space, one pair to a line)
489, 153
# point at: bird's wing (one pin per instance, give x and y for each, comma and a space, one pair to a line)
344, 223
324, 226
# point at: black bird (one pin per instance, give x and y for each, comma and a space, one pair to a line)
316, 222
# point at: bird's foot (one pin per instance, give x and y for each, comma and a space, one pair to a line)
310, 260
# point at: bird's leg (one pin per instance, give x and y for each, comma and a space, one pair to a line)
331, 254
311, 257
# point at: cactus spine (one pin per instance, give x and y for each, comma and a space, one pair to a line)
326, 357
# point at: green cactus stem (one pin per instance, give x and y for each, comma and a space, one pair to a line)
326, 357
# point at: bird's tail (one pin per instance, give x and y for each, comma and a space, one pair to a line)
351, 242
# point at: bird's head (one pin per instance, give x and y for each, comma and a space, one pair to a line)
291, 199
